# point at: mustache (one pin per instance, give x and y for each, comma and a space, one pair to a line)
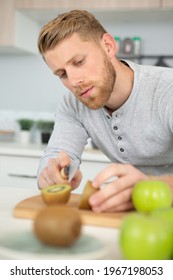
82, 88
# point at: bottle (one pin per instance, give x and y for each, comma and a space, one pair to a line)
118, 44
137, 45
128, 46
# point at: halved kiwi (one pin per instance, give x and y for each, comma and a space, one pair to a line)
58, 225
56, 194
88, 191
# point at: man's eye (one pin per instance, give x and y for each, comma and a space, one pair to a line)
63, 75
79, 62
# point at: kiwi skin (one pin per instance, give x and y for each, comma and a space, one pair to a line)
59, 193
88, 191
58, 226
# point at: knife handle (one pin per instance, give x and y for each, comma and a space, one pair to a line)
65, 171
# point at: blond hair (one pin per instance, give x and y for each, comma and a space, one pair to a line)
76, 21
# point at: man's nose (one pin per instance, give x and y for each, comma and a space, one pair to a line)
75, 79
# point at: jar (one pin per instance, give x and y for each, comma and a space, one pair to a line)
128, 46
137, 45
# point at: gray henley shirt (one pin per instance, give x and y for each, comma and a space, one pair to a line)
140, 132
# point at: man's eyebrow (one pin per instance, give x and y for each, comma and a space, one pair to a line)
59, 70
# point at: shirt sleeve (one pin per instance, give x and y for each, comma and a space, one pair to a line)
69, 133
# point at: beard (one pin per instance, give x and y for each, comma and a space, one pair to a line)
102, 89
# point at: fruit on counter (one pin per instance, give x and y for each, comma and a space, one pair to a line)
87, 192
58, 225
150, 195
164, 213
59, 193
143, 237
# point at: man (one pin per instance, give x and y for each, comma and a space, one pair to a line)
125, 108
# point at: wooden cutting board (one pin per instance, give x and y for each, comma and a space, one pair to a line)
30, 207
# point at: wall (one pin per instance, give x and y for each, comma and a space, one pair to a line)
26, 83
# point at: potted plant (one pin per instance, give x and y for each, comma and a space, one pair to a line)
46, 128
25, 127
25, 124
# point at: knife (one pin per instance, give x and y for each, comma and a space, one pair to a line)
68, 172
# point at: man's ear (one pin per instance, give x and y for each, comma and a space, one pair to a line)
109, 45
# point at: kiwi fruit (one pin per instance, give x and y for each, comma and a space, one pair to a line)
88, 191
56, 194
58, 225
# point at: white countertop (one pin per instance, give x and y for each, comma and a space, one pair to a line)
36, 150
17, 149
11, 196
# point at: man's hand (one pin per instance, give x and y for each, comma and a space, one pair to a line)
116, 194
52, 175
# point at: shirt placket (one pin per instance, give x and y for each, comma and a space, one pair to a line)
116, 130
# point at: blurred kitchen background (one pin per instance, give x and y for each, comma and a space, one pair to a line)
29, 91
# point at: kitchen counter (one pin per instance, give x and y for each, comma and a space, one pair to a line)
18, 162
9, 224
36, 150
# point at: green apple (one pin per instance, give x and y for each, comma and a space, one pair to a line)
164, 213
143, 237
150, 195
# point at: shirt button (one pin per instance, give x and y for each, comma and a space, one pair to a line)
115, 127
122, 150
120, 138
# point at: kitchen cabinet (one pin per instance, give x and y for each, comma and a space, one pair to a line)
18, 171
18, 165
43, 10
167, 3
13, 35
7, 19
91, 4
